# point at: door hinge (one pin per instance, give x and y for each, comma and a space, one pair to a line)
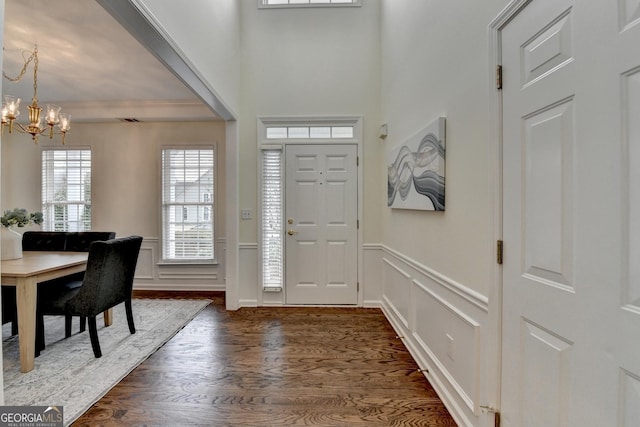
499, 77
358, 161
495, 412
358, 287
358, 224
499, 251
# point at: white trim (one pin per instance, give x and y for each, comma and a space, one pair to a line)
493, 342
232, 207
428, 370
475, 298
471, 403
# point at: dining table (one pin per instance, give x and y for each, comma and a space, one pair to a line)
25, 273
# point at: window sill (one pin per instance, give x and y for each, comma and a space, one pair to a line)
193, 263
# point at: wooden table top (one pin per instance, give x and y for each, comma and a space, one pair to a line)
38, 262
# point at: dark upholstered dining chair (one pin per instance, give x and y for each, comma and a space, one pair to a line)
107, 282
63, 241
9, 310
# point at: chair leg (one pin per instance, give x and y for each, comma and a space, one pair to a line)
14, 326
127, 306
67, 325
93, 334
39, 334
83, 323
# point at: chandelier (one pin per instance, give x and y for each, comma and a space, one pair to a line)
53, 116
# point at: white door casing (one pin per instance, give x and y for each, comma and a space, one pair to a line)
571, 199
321, 213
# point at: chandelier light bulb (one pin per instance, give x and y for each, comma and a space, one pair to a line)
12, 105
65, 122
53, 112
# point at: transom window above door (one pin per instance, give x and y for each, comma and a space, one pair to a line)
308, 3
309, 132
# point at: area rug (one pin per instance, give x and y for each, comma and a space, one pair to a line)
67, 374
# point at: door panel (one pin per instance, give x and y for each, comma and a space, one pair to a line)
321, 211
571, 152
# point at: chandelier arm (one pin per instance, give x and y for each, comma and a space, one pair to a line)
27, 129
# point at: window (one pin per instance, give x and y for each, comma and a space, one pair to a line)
187, 204
66, 189
309, 3
309, 132
271, 206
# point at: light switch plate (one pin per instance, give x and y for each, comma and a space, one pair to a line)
246, 214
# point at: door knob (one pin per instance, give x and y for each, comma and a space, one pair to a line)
291, 232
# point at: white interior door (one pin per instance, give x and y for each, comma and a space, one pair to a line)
321, 197
571, 192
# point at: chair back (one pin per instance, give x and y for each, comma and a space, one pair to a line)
108, 279
81, 240
44, 240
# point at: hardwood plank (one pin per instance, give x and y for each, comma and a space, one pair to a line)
275, 367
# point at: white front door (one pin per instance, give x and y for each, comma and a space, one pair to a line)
321, 198
571, 193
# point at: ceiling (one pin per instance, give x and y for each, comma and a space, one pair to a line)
90, 65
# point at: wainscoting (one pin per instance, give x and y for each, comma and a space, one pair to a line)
150, 275
444, 326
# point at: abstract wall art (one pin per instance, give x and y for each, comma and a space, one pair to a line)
416, 177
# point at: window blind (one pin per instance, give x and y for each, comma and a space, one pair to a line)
272, 219
187, 204
66, 189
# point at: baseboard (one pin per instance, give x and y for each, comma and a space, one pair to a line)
444, 326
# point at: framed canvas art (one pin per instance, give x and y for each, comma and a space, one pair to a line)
415, 170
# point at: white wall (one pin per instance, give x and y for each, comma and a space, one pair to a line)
439, 267
125, 187
207, 34
435, 62
308, 62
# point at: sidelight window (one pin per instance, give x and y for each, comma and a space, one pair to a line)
272, 217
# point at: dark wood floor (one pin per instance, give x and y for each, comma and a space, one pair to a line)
275, 367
